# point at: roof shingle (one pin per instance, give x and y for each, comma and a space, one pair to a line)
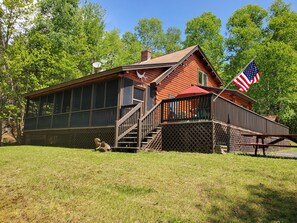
168, 58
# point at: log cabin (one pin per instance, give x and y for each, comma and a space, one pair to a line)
142, 106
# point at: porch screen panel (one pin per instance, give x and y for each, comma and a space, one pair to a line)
60, 121
42, 105
46, 105
30, 123
50, 105
32, 113
80, 119
99, 95
128, 87
33, 106
58, 103
111, 93
76, 100
44, 122
66, 101
104, 117
86, 97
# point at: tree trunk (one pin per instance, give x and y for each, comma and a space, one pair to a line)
1, 131
19, 129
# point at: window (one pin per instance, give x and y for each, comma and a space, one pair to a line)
138, 95
202, 78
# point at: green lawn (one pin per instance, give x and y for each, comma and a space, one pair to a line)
47, 184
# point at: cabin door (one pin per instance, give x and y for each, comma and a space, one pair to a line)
139, 97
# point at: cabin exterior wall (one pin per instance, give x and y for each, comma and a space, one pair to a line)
183, 77
237, 100
149, 75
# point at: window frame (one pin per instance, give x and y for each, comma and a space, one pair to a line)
204, 78
135, 99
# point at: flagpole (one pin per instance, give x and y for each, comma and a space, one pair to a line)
233, 79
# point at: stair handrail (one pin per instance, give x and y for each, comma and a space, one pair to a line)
151, 114
120, 134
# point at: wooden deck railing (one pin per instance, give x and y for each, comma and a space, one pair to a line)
127, 123
194, 108
231, 113
187, 108
202, 107
149, 122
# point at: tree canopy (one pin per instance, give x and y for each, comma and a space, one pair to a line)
204, 31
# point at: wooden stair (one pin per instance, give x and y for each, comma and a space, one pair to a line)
150, 136
129, 142
134, 131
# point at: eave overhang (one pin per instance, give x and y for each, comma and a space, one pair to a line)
114, 72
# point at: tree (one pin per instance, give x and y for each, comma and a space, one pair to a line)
245, 33
282, 23
60, 44
131, 47
271, 38
112, 50
173, 40
151, 35
282, 29
204, 30
14, 19
93, 23
61, 25
277, 62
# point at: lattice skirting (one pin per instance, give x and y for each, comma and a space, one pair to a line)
76, 138
187, 137
202, 137
155, 144
230, 136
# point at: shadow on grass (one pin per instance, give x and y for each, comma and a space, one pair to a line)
262, 205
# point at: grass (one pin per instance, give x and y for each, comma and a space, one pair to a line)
47, 184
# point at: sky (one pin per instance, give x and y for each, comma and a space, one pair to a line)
124, 14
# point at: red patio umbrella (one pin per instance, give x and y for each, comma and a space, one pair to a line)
194, 90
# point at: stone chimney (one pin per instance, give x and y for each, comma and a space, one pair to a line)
146, 55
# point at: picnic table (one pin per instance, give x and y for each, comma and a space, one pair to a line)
262, 145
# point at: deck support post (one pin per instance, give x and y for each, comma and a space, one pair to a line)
116, 134
139, 133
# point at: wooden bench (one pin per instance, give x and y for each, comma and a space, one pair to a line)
262, 145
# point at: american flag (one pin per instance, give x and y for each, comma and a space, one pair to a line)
249, 76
